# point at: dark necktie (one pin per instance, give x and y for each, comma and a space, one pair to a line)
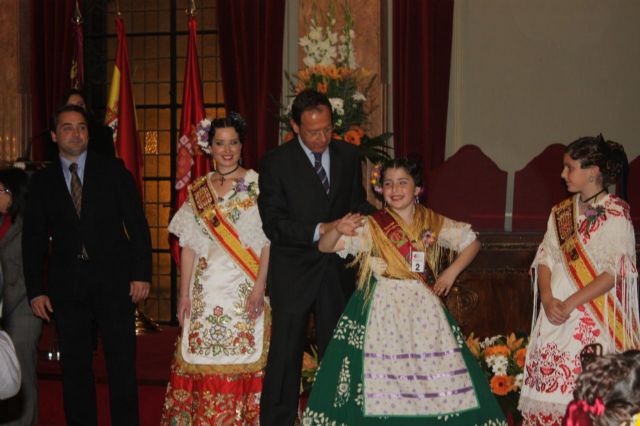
76, 187
76, 196
320, 171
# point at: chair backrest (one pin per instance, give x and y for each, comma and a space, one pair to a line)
469, 187
538, 187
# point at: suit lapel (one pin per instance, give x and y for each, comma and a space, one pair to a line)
88, 182
336, 167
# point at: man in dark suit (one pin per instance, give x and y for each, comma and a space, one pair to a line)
99, 266
305, 185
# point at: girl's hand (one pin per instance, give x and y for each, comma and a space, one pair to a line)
255, 302
184, 309
444, 282
349, 223
556, 310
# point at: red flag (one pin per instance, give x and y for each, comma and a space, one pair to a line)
121, 110
77, 60
191, 162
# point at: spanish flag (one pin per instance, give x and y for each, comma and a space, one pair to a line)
121, 111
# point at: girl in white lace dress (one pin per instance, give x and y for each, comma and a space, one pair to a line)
216, 377
585, 274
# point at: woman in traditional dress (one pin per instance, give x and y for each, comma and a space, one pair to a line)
216, 377
397, 356
17, 318
585, 274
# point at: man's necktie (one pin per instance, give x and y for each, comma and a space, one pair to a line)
320, 171
76, 196
76, 187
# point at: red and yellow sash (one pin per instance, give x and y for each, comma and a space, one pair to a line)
203, 202
401, 242
608, 310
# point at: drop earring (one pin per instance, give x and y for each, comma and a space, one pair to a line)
591, 178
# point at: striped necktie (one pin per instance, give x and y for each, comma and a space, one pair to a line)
76, 196
76, 187
320, 171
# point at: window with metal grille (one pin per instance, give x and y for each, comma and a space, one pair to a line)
157, 35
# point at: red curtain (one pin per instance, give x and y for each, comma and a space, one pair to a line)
251, 35
51, 54
422, 31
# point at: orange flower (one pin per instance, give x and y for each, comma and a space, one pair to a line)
501, 385
333, 73
474, 345
496, 350
336, 136
300, 86
353, 136
303, 75
308, 362
513, 343
288, 136
322, 87
520, 357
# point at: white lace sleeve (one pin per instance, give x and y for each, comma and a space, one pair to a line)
614, 246
456, 235
184, 225
359, 242
249, 227
548, 251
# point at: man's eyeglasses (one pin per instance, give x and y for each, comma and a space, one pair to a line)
5, 190
327, 131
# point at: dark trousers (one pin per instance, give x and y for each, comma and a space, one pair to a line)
281, 387
114, 316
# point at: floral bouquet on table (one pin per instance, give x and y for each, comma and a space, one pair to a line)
331, 69
502, 359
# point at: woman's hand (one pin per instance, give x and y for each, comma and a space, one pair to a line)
184, 309
255, 302
556, 310
444, 282
349, 223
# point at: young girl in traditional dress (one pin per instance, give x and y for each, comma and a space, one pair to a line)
585, 274
216, 377
397, 356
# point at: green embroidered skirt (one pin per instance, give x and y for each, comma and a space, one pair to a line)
398, 358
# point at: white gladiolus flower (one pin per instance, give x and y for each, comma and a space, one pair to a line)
357, 96
315, 34
337, 104
489, 341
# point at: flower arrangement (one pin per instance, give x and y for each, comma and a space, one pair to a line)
331, 69
309, 368
502, 359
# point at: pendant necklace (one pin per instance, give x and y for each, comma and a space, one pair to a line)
593, 196
222, 175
